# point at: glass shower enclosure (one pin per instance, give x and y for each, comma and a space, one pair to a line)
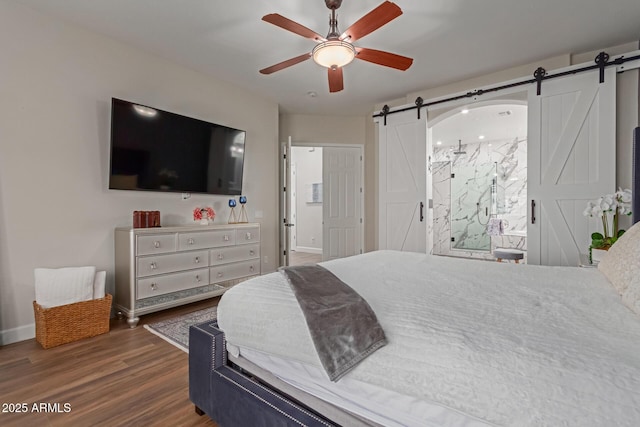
473, 200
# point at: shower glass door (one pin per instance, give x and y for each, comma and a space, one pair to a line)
472, 188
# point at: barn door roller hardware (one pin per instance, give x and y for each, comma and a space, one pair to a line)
601, 63
602, 60
419, 102
385, 111
539, 76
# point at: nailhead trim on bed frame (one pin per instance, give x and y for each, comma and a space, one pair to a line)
218, 334
264, 401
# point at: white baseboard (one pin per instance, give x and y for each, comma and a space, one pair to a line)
21, 333
309, 250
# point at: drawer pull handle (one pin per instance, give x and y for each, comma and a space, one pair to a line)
154, 286
197, 260
219, 273
248, 236
252, 252
226, 238
190, 241
156, 244
220, 256
197, 278
153, 265
251, 268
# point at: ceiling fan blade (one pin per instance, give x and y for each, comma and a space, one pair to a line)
336, 82
373, 20
384, 58
294, 27
285, 64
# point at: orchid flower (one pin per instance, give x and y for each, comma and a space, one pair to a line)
619, 203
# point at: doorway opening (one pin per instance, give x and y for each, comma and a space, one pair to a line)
322, 202
305, 238
479, 180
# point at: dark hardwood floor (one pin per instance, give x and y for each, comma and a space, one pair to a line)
128, 377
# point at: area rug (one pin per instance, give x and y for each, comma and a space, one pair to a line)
176, 330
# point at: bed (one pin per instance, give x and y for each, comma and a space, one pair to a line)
469, 343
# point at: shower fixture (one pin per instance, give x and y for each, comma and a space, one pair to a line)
459, 149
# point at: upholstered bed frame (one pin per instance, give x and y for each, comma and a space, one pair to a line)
235, 392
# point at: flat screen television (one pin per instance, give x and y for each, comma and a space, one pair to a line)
156, 150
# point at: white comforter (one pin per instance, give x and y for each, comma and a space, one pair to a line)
509, 344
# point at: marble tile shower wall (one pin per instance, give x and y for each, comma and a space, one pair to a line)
510, 156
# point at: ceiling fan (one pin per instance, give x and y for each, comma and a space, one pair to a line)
337, 50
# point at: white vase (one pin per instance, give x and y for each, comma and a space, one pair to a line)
204, 221
598, 255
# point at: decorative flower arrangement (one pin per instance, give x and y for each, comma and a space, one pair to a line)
204, 214
618, 203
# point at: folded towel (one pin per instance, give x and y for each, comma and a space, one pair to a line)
495, 227
60, 286
98, 284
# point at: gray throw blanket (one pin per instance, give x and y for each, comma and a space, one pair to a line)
343, 327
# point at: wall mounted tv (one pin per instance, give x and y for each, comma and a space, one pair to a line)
157, 150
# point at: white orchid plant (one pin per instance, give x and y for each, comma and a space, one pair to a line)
616, 204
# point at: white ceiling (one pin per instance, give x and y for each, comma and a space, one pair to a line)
450, 40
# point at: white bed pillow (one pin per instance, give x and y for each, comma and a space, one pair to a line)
60, 286
621, 265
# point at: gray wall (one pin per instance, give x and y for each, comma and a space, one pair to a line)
56, 85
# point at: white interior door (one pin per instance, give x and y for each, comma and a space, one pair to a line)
571, 159
293, 197
402, 182
285, 202
342, 202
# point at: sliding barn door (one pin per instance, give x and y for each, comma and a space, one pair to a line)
571, 159
342, 202
402, 182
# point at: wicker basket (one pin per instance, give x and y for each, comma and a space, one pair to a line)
72, 322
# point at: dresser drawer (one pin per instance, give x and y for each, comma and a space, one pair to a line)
160, 264
234, 271
155, 244
206, 239
247, 235
233, 254
160, 285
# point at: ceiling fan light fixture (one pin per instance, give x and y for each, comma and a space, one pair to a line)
333, 53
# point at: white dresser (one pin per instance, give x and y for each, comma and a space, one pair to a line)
158, 268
